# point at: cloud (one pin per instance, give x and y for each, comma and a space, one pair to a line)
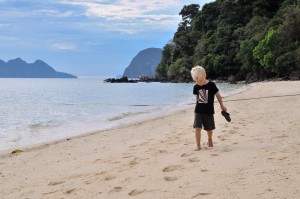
131, 16
53, 13
5, 38
64, 46
4, 25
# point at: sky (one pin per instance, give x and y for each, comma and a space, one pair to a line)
87, 38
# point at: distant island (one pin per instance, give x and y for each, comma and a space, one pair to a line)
144, 63
18, 68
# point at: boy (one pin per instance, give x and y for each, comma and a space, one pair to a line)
205, 92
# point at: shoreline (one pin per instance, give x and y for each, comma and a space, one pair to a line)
256, 155
115, 122
165, 112
38, 146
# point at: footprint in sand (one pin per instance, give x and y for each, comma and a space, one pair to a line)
116, 189
144, 143
125, 157
226, 150
136, 192
194, 160
221, 138
179, 138
87, 182
170, 178
133, 162
52, 192
283, 158
172, 168
282, 136
97, 160
174, 142
56, 183
186, 154
163, 151
107, 175
70, 191
201, 194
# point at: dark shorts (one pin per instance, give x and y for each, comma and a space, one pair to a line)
205, 120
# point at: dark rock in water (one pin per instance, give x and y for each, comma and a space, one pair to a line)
180, 79
18, 68
144, 63
120, 80
148, 79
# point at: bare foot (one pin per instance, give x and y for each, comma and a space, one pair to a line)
198, 148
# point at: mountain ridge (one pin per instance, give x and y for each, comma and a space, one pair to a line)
18, 68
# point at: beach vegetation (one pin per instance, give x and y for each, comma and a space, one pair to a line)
240, 39
17, 151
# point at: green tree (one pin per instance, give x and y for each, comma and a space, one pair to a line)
290, 28
258, 38
188, 12
286, 63
249, 37
264, 51
162, 68
180, 67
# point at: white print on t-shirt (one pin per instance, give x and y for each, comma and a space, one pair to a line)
203, 98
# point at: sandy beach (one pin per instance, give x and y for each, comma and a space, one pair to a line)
256, 155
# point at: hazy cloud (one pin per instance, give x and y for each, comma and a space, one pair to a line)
131, 16
64, 46
54, 13
5, 38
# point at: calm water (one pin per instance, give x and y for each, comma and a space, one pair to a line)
41, 110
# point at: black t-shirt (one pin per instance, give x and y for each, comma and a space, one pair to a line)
206, 96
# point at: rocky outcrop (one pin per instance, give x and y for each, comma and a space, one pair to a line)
144, 63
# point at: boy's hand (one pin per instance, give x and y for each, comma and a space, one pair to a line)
224, 108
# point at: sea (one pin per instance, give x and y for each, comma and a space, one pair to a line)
36, 111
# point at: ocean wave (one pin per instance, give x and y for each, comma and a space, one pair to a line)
140, 105
42, 125
125, 115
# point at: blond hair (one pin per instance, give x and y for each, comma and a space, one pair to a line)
198, 73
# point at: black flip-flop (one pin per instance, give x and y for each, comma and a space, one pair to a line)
226, 115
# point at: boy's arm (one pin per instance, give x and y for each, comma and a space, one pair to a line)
219, 97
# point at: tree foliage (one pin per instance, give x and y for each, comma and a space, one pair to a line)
264, 51
235, 38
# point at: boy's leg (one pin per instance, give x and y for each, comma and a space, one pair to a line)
209, 125
198, 138
209, 135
